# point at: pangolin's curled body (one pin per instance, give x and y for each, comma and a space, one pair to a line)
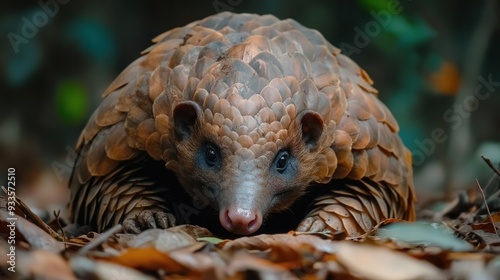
246, 115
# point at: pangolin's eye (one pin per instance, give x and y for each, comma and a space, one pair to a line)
282, 161
210, 156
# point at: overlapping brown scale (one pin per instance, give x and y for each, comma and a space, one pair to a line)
347, 65
291, 110
364, 137
128, 74
142, 93
125, 98
267, 66
271, 95
134, 117
178, 32
285, 121
116, 146
324, 79
373, 161
235, 71
236, 22
159, 78
338, 101
181, 53
265, 31
245, 141
199, 69
395, 175
317, 39
153, 146
223, 107
212, 37
160, 51
220, 88
190, 57
256, 44
143, 131
342, 146
301, 42
357, 107
285, 25
215, 49
360, 165
106, 114
350, 125
90, 130
388, 141
295, 64
82, 172
353, 211
279, 110
228, 30
179, 76
247, 107
283, 87
241, 129
210, 101
200, 32
98, 162
267, 20
250, 122
249, 26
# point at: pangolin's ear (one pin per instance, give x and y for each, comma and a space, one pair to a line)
185, 117
312, 128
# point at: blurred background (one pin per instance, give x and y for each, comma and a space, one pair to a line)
433, 62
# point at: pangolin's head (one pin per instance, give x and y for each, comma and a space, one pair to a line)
245, 118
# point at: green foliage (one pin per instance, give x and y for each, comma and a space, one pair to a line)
72, 103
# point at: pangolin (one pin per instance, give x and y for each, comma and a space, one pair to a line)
241, 117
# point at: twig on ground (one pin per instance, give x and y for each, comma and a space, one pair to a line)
487, 208
99, 240
34, 217
491, 165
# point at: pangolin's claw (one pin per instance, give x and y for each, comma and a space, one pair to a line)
149, 219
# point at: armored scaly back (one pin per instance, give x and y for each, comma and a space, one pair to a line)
252, 76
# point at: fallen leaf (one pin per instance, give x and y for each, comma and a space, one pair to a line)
377, 262
162, 240
43, 264
147, 259
34, 235
423, 234
265, 241
86, 268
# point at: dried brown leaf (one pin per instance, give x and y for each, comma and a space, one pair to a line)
162, 240
86, 268
148, 259
377, 262
266, 241
30, 232
43, 264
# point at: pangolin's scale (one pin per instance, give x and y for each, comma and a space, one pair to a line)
252, 75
